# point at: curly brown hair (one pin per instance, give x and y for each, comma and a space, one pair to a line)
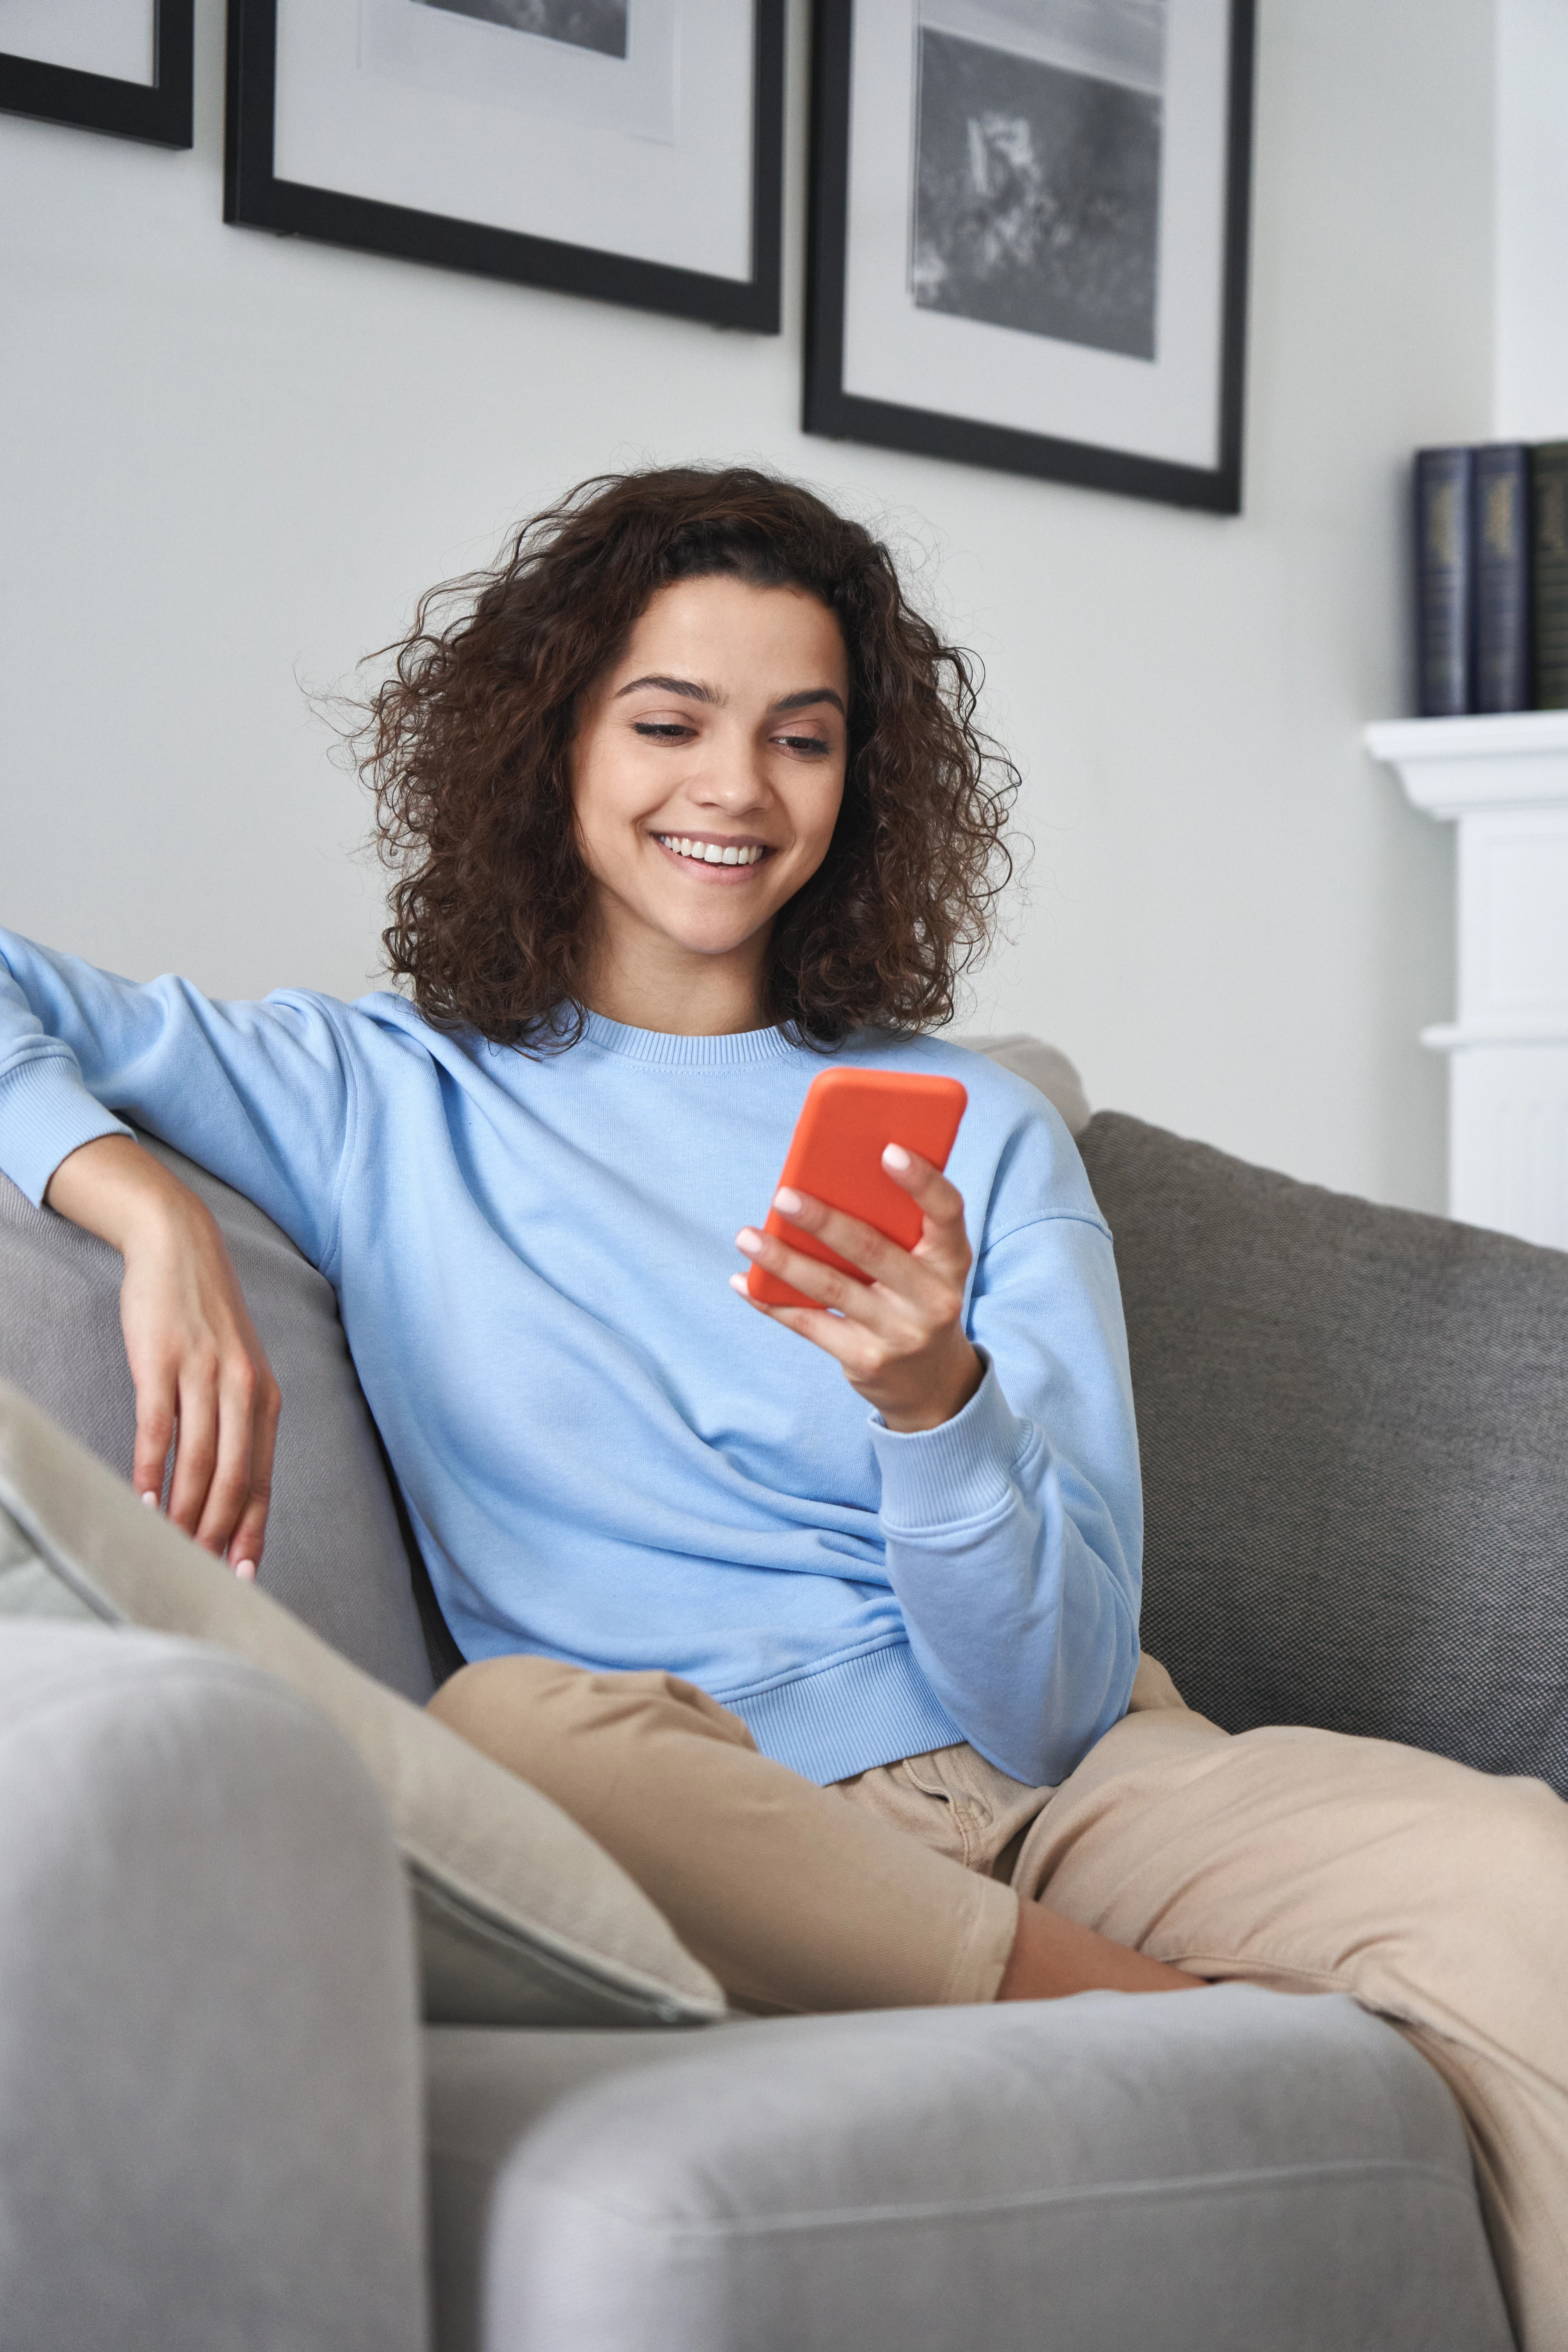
466, 747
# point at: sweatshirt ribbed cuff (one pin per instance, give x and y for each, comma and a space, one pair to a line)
46, 1113
962, 1470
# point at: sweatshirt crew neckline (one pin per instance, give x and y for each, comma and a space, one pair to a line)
746, 1045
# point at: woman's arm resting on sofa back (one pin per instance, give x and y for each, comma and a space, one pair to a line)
259, 1093
198, 1365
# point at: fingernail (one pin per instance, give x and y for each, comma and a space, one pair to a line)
246, 1570
787, 1203
896, 1157
738, 1282
749, 1240
151, 1499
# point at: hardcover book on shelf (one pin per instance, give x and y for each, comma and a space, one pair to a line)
1549, 567
1500, 545
1443, 524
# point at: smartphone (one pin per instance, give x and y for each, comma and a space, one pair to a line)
845, 1123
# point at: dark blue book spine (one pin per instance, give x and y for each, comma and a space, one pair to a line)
1500, 536
1548, 579
1443, 580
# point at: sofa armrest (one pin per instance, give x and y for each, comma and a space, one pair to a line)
1232, 2167
210, 2111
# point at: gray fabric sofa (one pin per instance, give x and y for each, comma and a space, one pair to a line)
211, 2060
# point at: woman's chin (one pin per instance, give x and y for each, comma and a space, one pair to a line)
714, 946
725, 932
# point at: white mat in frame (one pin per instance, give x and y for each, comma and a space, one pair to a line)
345, 122
98, 36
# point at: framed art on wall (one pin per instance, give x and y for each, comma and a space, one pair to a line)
121, 66
630, 149
1028, 236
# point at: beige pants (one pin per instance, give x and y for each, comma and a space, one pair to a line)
1434, 1896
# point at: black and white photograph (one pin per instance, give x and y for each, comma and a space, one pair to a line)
1036, 184
597, 66
647, 170
582, 23
1072, 177
117, 66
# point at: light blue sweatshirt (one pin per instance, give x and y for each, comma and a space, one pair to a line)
608, 1456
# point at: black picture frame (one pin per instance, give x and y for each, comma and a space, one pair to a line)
159, 114
828, 410
254, 197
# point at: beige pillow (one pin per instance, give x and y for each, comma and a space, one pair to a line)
523, 1919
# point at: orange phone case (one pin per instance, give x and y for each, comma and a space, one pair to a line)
845, 1123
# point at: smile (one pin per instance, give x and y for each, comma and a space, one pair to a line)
711, 853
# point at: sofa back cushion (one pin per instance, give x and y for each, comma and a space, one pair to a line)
1046, 1068
336, 1553
1354, 1432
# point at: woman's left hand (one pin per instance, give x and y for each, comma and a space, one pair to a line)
900, 1336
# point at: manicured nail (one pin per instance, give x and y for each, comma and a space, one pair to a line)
246, 1570
738, 1282
749, 1240
897, 1157
151, 1499
787, 1203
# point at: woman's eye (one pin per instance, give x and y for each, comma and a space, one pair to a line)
813, 745
660, 731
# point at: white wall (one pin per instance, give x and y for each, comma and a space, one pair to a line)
230, 463
1531, 347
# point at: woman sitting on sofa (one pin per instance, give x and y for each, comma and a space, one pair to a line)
822, 1619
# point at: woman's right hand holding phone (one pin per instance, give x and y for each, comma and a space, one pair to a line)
200, 1370
899, 1333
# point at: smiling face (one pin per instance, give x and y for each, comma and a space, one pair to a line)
707, 774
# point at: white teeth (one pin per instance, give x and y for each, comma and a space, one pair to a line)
711, 853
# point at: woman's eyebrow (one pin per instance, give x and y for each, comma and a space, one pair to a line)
688, 687
693, 691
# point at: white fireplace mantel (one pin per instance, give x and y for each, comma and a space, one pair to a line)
1504, 783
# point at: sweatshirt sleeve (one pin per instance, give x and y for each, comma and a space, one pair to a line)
1014, 1532
261, 1095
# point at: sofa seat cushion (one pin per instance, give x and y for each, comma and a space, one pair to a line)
521, 1918
1210, 2173
1352, 1422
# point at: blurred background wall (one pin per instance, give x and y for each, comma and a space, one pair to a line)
230, 464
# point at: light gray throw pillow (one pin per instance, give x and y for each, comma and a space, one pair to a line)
522, 1918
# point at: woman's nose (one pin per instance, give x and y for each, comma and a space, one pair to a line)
733, 781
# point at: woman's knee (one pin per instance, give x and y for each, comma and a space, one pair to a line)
1470, 1869
1508, 1851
